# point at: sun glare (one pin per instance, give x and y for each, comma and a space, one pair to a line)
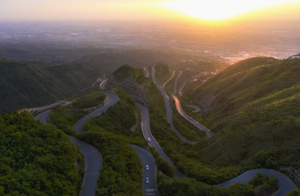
218, 9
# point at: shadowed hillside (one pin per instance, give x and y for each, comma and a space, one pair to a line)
26, 85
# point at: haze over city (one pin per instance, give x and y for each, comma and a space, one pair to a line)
147, 9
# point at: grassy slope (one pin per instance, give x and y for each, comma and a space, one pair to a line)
26, 85
257, 114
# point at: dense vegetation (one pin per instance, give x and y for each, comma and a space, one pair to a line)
91, 99
37, 159
64, 118
254, 106
27, 85
264, 185
184, 156
294, 193
126, 71
191, 187
256, 119
121, 173
184, 127
260, 185
125, 111
162, 164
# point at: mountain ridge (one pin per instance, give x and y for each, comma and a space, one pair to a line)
25, 85
255, 111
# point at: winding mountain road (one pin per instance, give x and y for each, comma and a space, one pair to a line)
286, 184
169, 110
42, 116
180, 89
189, 119
175, 85
93, 163
146, 71
103, 84
111, 100
93, 159
166, 82
147, 159
153, 143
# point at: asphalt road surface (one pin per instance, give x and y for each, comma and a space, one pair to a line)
189, 119
112, 99
166, 82
180, 89
43, 116
175, 85
153, 143
169, 110
93, 164
146, 71
93, 161
147, 159
286, 184
103, 84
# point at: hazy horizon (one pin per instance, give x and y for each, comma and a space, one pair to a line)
147, 10
256, 28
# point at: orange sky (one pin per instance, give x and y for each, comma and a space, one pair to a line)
146, 9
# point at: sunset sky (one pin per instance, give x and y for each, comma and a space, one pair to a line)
147, 9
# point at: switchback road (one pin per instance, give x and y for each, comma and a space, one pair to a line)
153, 143
166, 82
175, 85
103, 84
112, 99
189, 119
93, 161
169, 110
286, 184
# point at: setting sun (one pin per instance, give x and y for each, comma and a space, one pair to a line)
218, 9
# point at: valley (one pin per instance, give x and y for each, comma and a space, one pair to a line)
164, 126
149, 98
156, 142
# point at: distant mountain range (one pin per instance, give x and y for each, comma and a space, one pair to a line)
26, 85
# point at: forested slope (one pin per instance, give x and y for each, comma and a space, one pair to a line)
36, 158
254, 107
26, 85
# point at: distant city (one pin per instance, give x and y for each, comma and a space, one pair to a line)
238, 42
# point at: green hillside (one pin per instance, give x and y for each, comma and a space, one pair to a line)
254, 107
26, 85
126, 71
162, 73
